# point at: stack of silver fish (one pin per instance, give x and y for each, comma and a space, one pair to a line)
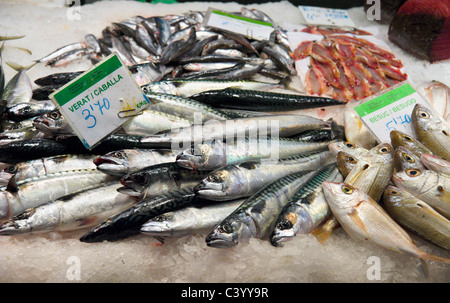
217, 151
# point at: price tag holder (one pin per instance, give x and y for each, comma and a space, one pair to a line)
326, 16
100, 100
250, 28
390, 110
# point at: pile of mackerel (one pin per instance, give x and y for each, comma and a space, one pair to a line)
223, 147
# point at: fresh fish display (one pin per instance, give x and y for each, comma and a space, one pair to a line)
431, 130
399, 138
244, 179
189, 220
347, 67
427, 185
82, 210
215, 154
157, 179
364, 219
435, 163
255, 217
121, 162
417, 216
18, 196
129, 222
307, 208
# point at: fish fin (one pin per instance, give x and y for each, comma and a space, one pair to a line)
18, 67
87, 221
3, 38
424, 255
357, 220
12, 185
321, 233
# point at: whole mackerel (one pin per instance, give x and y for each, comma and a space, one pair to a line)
307, 208
129, 222
233, 98
245, 179
255, 217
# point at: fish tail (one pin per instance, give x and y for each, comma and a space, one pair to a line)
427, 256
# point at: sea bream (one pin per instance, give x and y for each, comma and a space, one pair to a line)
365, 220
417, 216
427, 185
432, 130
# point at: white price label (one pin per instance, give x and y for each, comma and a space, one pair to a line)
326, 16
390, 110
251, 28
100, 100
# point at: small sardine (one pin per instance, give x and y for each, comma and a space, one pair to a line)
417, 216
364, 219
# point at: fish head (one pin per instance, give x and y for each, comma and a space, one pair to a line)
203, 156
348, 147
345, 162
221, 184
393, 196
226, 234
291, 222
412, 178
159, 226
382, 153
113, 163
405, 159
50, 120
340, 195
399, 138
426, 120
